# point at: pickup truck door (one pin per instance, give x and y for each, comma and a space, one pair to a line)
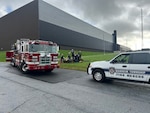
139, 72
140, 67
119, 67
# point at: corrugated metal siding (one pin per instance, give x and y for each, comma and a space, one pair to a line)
22, 23
53, 15
54, 25
71, 38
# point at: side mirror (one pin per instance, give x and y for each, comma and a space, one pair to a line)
114, 61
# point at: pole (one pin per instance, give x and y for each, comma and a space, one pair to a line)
142, 27
103, 43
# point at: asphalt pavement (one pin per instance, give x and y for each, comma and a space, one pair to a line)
68, 91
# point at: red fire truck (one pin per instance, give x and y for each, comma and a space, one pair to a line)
31, 55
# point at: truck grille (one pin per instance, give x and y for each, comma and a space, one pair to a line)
45, 60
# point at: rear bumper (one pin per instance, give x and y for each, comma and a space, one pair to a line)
42, 67
8, 59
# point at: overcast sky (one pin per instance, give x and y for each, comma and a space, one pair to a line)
108, 15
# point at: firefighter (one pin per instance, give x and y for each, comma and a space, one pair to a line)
79, 54
72, 54
62, 58
69, 58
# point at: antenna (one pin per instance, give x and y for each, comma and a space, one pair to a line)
142, 27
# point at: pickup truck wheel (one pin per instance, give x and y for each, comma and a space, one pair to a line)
98, 75
24, 68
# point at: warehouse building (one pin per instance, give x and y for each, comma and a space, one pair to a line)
40, 20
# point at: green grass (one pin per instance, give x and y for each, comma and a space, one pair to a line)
2, 56
86, 56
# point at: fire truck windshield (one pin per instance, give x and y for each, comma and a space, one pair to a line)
42, 47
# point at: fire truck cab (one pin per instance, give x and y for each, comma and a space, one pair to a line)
31, 55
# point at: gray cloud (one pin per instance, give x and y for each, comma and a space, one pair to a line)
97, 10
122, 15
122, 26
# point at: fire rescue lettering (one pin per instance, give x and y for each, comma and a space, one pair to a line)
127, 73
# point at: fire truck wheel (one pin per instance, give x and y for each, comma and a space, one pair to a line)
13, 63
24, 68
48, 71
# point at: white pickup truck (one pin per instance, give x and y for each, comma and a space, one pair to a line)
128, 66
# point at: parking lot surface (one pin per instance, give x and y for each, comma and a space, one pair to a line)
68, 91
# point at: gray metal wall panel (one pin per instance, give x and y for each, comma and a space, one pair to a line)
22, 23
53, 15
67, 37
25, 23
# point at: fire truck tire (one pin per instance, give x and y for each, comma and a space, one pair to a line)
23, 67
48, 71
13, 63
